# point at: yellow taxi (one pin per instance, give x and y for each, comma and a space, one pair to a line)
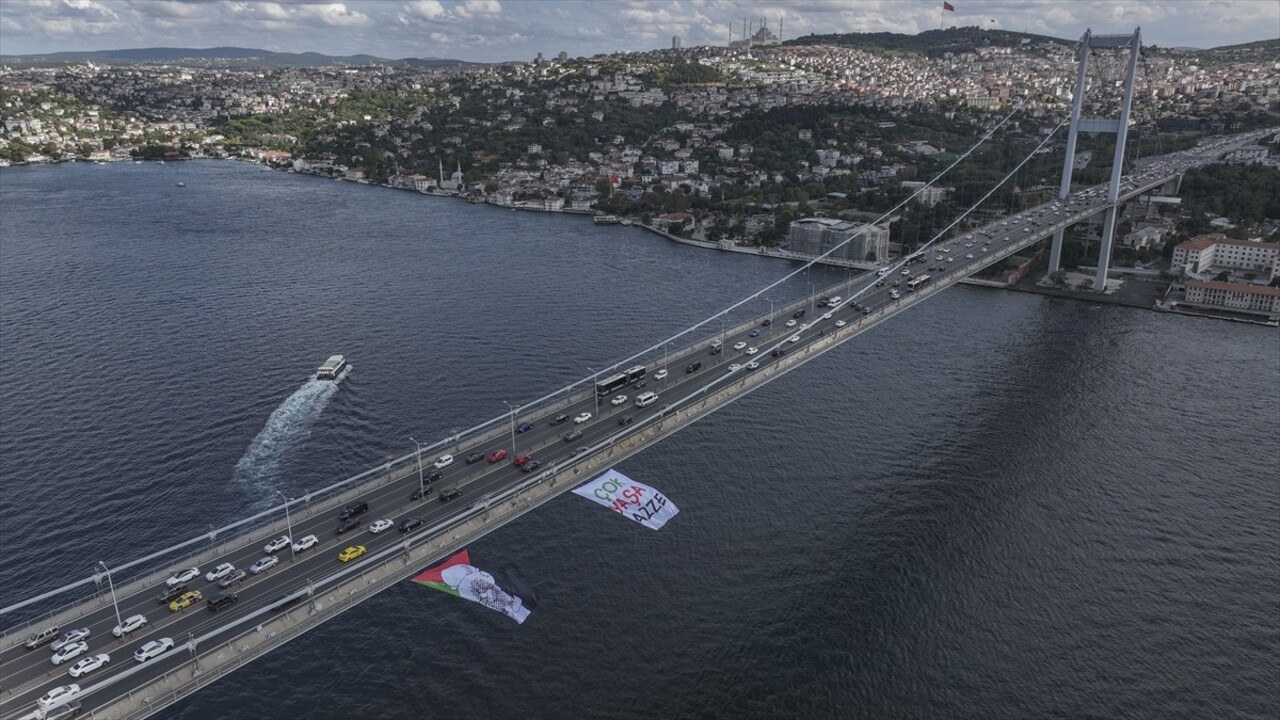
186, 600
351, 553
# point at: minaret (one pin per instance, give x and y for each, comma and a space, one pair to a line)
441, 165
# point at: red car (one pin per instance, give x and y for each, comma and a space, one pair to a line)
522, 459
497, 455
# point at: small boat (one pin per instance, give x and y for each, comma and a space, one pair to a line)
137, 162
181, 184
160, 162
606, 219
332, 368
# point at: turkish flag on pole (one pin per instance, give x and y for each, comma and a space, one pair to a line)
948, 6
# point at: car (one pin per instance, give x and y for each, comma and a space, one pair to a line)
220, 572
778, 352
740, 345
581, 418
168, 594
559, 419
187, 600
880, 284
411, 524
639, 384
626, 419
421, 492
153, 649
37, 639
572, 435
524, 427
69, 637
791, 323
841, 323
951, 259
716, 349
232, 579
692, 368
522, 459
264, 564
359, 507
984, 249
379, 525
662, 374
753, 350
450, 494
346, 527
826, 316
907, 271
618, 400
794, 339
89, 664
497, 455
474, 457
351, 553
70, 651
755, 333
969, 256
221, 602
442, 462
432, 476
735, 367
128, 625
306, 543
798, 314
531, 466
866, 311
277, 545
58, 696
753, 365
180, 578
766, 322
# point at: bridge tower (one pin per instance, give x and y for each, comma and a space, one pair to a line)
1119, 126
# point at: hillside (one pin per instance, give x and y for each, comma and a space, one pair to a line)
231, 56
930, 42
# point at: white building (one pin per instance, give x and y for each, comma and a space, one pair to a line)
815, 236
1234, 296
1204, 253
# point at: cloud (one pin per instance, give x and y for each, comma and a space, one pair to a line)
424, 10
478, 8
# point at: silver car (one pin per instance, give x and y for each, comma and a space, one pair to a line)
262, 565
70, 651
69, 637
235, 577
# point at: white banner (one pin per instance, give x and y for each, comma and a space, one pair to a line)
633, 499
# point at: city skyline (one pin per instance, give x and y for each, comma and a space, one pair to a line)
499, 30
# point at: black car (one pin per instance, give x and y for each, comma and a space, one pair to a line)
432, 476
475, 457
411, 524
572, 435
693, 368
559, 419
524, 427
450, 494
716, 350
348, 526
531, 466
169, 594
626, 419
639, 384
222, 601
766, 322
798, 314
421, 493
354, 509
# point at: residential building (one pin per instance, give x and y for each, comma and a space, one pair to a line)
815, 236
1263, 300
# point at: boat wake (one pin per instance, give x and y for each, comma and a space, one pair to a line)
288, 425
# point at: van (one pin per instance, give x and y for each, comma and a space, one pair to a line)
44, 636
646, 399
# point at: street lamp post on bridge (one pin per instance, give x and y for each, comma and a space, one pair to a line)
595, 377
513, 427
771, 302
422, 486
288, 521
115, 603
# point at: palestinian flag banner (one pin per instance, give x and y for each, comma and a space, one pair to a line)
495, 589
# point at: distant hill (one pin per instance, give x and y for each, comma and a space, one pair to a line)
234, 56
930, 42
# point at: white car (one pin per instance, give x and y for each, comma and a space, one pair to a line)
791, 323
380, 525
739, 346
442, 462
128, 625
263, 565
277, 545
735, 367
753, 365
152, 649
220, 572
306, 543
753, 350
60, 695
619, 400
969, 256
794, 338
660, 375
69, 637
70, 651
582, 417
89, 664
841, 323
180, 578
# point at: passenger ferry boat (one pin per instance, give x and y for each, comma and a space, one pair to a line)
332, 368
606, 219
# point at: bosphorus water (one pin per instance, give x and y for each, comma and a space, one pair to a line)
996, 505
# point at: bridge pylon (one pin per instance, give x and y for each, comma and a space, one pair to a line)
1119, 126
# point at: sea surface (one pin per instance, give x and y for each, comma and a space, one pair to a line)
996, 505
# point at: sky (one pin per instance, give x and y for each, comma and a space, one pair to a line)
497, 30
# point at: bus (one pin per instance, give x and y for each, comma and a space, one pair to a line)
916, 282
618, 380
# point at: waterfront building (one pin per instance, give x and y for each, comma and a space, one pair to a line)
1208, 254
815, 236
1255, 299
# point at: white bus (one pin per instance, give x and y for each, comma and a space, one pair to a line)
916, 282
